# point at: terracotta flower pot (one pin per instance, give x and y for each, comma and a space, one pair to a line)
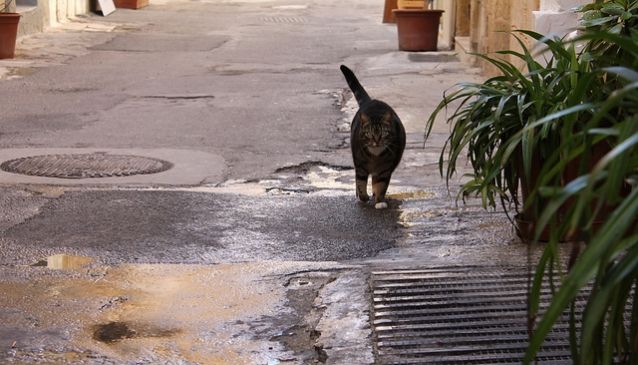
8, 34
130, 4
527, 219
418, 29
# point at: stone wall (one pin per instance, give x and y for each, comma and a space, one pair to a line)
495, 20
481, 26
37, 15
448, 23
61, 10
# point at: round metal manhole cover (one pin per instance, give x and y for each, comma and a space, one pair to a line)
83, 166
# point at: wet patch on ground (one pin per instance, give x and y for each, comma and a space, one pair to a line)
158, 314
301, 338
112, 331
188, 227
115, 331
441, 232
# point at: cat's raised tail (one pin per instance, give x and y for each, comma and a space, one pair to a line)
359, 92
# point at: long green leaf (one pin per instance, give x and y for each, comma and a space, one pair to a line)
584, 270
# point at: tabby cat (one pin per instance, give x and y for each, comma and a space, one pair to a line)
377, 139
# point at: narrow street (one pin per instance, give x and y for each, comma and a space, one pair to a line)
248, 245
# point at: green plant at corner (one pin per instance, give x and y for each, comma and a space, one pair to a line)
541, 131
501, 125
610, 258
609, 330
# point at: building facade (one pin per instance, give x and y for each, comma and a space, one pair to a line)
482, 26
38, 14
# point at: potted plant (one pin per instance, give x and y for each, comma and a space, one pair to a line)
417, 28
522, 129
564, 134
609, 260
8, 29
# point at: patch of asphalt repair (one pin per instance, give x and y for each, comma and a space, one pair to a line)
190, 227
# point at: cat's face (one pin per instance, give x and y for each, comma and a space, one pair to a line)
375, 134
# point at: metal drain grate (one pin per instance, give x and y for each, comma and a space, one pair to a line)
462, 315
81, 166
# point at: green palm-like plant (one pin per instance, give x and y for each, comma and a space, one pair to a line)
609, 331
502, 125
539, 129
611, 254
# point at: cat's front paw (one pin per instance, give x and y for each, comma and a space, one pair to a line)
381, 205
363, 197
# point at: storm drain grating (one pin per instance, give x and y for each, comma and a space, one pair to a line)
81, 166
461, 315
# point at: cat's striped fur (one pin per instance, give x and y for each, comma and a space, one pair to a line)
377, 140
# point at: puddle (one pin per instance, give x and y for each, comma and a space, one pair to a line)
112, 331
115, 331
146, 313
67, 262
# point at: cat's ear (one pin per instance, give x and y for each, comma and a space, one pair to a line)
364, 119
387, 118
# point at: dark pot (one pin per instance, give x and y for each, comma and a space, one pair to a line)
8, 34
527, 229
526, 220
418, 29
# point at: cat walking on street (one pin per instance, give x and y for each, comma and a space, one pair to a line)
377, 140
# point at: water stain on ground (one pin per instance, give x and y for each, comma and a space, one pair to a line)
112, 331
172, 313
115, 331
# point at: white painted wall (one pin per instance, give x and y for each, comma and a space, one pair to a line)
557, 17
446, 33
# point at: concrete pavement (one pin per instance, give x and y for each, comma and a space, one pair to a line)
252, 249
